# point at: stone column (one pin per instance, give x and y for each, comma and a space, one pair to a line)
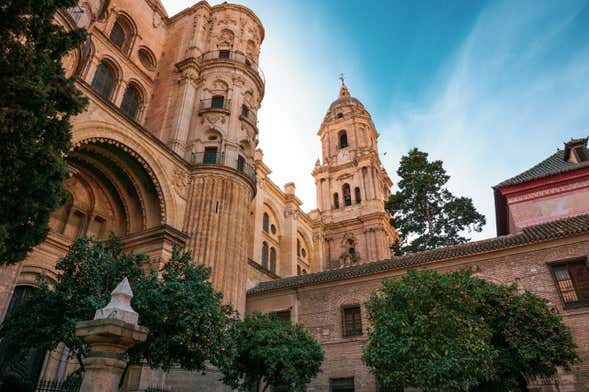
112, 332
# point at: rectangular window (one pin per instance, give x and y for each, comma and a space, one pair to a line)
572, 281
240, 162
351, 321
283, 315
341, 384
224, 54
218, 102
210, 156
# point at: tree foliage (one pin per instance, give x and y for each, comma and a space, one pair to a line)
456, 332
36, 103
186, 320
424, 212
274, 352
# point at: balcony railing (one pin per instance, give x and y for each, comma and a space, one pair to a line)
213, 103
235, 56
232, 161
248, 114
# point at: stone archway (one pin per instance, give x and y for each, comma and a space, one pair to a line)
111, 190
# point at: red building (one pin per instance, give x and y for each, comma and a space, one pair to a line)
557, 187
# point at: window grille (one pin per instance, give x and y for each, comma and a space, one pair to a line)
218, 102
352, 321
572, 281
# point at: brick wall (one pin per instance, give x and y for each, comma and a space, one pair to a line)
319, 306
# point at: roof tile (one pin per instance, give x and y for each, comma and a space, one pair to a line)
566, 227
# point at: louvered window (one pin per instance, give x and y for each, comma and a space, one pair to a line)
572, 281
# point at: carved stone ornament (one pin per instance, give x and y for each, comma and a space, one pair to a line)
291, 211
238, 81
181, 181
119, 306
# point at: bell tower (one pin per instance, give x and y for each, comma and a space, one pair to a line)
352, 186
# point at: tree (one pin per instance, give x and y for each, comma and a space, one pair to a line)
274, 352
456, 332
36, 104
187, 323
424, 212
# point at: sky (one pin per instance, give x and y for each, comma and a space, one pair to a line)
489, 87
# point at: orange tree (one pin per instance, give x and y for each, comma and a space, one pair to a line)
456, 332
272, 352
187, 323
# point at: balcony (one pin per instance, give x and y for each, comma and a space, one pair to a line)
248, 115
235, 162
216, 103
232, 56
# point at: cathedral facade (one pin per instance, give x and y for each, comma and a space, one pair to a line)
166, 155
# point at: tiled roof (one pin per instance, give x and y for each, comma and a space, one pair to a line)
562, 228
554, 164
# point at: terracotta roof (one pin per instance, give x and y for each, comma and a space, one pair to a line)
554, 164
562, 228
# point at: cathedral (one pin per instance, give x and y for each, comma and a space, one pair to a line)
166, 155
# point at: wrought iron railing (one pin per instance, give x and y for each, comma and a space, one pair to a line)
68, 385
231, 55
233, 161
248, 114
215, 103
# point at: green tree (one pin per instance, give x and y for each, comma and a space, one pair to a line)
456, 332
273, 352
187, 323
36, 103
424, 212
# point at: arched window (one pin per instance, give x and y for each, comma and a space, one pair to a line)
335, 200
357, 194
122, 33
265, 254
104, 80
298, 269
265, 222
343, 139
347, 195
298, 247
131, 102
351, 248
273, 259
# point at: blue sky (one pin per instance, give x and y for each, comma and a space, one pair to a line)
489, 87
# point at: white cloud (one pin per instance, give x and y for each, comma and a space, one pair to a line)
505, 105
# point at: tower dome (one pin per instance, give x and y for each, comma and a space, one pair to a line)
345, 103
